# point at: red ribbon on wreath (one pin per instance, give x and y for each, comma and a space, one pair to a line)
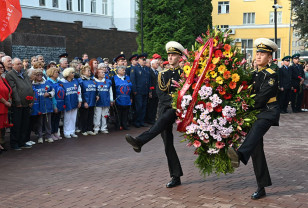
189, 115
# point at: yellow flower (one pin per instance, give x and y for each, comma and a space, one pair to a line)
215, 60
219, 80
187, 70
235, 77
215, 42
213, 74
228, 54
222, 69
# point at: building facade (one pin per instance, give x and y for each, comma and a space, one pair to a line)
252, 19
96, 14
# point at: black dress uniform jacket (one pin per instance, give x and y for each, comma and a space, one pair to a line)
285, 77
265, 84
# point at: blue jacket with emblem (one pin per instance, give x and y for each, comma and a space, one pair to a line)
141, 79
122, 90
104, 92
71, 94
88, 91
58, 99
42, 105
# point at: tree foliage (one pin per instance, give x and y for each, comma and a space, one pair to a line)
301, 17
178, 20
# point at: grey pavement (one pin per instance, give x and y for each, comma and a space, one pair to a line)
104, 171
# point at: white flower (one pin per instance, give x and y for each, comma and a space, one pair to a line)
205, 92
229, 111
212, 151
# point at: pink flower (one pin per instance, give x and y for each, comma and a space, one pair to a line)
244, 106
189, 144
226, 62
197, 143
200, 40
243, 62
209, 107
220, 145
186, 52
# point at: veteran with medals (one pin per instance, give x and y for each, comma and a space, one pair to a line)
265, 85
167, 114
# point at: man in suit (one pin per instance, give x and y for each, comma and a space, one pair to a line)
285, 82
153, 100
297, 91
167, 114
140, 78
265, 85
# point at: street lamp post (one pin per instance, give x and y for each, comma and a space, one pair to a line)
141, 23
276, 6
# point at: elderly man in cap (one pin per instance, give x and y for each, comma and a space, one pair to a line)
167, 114
285, 83
298, 76
265, 85
141, 80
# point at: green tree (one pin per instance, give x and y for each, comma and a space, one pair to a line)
301, 17
178, 20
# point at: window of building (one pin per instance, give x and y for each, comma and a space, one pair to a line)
55, 3
69, 5
278, 51
104, 7
279, 17
223, 27
93, 6
42, 3
249, 18
223, 7
247, 44
80, 5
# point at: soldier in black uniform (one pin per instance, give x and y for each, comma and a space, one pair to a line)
133, 61
265, 86
297, 91
166, 113
285, 77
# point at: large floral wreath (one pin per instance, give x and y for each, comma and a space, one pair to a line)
213, 101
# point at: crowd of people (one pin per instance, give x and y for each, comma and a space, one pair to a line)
82, 96
86, 94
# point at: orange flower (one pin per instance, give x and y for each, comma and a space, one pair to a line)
232, 85
227, 47
227, 74
212, 67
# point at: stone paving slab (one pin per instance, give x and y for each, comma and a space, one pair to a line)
104, 171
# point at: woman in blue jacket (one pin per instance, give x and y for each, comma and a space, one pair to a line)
42, 106
104, 99
88, 95
57, 100
72, 101
121, 87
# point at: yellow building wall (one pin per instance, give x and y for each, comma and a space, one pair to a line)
262, 26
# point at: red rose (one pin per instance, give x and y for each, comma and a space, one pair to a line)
245, 85
227, 96
152, 88
295, 90
106, 116
102, 86
299, 77
39, 113
64, 106
218, 108
78, 93
121, 128
29, 98
46, 88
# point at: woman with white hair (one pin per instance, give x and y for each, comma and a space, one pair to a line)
72, 102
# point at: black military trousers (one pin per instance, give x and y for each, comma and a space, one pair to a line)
284, 99
253, 146
151, 109
164, 126
296, 99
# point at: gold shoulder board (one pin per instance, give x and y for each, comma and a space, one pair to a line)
271, 71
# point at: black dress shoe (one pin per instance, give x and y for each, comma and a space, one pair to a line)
175, 181
144, 125
233, 155
126, 128
132, 141
258, 194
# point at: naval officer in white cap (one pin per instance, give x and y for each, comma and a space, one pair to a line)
166, 113
265, 86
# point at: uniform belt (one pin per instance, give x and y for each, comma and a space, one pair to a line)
273, 99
